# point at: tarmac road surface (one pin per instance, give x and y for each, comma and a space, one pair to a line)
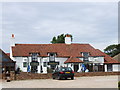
78, 82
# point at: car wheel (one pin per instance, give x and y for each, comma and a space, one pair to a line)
58, 77
53, 77
65, 78
72, 78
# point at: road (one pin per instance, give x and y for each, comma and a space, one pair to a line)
79, 82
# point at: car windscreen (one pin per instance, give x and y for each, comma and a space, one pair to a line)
66, 69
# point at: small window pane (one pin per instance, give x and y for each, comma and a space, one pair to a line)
85, 56
24, 64
52, 57
45, 64
34, 56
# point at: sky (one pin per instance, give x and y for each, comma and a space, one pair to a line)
95, 23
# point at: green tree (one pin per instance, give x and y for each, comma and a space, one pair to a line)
112, 50
53, 40
60, 38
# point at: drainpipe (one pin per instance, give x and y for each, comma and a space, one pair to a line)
41, 71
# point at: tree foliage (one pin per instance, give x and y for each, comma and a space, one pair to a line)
60, 38
112, 50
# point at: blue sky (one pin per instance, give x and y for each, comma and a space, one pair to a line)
37, 22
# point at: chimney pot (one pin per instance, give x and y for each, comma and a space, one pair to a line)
12, 35
68, 35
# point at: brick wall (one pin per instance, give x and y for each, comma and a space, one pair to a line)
96, 74
25, 76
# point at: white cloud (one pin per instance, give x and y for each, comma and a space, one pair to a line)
93, 23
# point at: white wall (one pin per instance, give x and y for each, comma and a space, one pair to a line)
46, 59
20, 60
57, 59
116, 67
99, 59
61, 60
39, 68
81, 59
19, 63
105, 67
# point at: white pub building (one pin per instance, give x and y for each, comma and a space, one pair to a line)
41, 58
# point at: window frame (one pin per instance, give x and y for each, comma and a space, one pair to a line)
24, 64
34, 56
85, 57
52, 60
44, 64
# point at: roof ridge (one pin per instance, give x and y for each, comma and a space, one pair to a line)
51, 44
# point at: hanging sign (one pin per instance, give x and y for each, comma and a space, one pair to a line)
53, 63
34, 63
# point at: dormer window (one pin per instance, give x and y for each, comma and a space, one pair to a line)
85, 56
34, 56
52, 57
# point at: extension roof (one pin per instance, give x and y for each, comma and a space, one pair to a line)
5, 60
73, 59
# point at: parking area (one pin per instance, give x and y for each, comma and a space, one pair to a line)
78, 82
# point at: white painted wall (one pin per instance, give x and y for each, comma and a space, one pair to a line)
20, 60
12, 43
116, 67
19, 63
80, 67
105, 68
81, 59
61, 60
99, 59
44, 60
57, 59
39, 68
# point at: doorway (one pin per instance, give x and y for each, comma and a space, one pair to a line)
109, 67
34, 69
76, 67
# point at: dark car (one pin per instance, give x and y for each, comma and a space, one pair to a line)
63, 72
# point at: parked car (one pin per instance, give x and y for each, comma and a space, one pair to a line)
63, 72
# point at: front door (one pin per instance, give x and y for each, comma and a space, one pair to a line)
34, 66
109, 67
76, 67
34, 69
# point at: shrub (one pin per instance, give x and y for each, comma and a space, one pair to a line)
49, 70
119, 85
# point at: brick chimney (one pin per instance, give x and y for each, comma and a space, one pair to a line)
68, 39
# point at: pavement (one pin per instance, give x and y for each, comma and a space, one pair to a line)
78, 82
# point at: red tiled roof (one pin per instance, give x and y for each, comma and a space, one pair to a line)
73, 60
62, 50
108, 59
